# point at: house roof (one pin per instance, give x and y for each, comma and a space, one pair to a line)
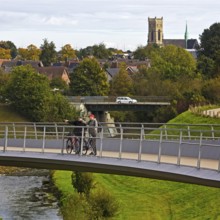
12, 63
112, 71
52, 71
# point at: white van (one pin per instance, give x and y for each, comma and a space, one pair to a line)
125, 100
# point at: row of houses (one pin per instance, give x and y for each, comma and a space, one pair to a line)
63, 69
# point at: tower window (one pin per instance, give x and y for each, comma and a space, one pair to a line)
159, 35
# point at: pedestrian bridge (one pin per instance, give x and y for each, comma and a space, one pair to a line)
183, 153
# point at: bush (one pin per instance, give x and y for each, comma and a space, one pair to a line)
75, 206
82, 182
103, 205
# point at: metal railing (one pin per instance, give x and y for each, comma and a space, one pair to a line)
170, 143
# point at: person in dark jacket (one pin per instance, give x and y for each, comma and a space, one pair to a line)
80, 123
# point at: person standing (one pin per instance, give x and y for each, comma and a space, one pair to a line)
78, 129
93, 127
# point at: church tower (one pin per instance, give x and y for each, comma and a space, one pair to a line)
155, 31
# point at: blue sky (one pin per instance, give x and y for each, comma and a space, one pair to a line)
121, 24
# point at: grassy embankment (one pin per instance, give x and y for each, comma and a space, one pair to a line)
142, 198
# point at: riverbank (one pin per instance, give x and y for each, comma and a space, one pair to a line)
12, 170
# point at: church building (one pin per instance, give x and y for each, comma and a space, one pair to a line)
156, 36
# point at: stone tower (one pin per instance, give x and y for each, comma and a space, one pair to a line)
155, 31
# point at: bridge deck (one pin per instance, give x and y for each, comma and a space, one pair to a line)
108, 164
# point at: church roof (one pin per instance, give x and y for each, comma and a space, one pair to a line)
191, 43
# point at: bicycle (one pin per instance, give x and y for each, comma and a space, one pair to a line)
73, 144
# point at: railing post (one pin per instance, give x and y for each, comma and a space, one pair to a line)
14, 131
56, 130
6, 139
140, 144
165, 131
101, 142
82, 141
179, 150
189, 133
44, 137
213, 133
25, 135
63, 138
121, 141
199, 155
160, 146
35, 131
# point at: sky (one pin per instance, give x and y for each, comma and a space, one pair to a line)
122, 24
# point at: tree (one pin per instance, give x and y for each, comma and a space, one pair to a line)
83, 182
88, 79
99, 51
5, 53
4, 78
29, 53
121, 84
211, 90
171, 62
210, 41
31, 95
209, 51
48, 53
57, 82
9, 45
143, 52
67, 52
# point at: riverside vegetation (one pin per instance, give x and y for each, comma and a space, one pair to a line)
142, 198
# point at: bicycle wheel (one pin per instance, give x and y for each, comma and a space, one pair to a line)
69, 147
85, 147
76, 146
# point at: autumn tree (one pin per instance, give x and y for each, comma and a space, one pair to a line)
29, 53
67, 52
5, 53
48, 53
88, 79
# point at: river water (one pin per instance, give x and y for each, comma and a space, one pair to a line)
26, 197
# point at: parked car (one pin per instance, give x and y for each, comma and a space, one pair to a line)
125, 100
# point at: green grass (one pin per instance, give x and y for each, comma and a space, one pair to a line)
146, 199
7, 114
142, 198
198, 123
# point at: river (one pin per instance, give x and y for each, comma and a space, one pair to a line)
25, 197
